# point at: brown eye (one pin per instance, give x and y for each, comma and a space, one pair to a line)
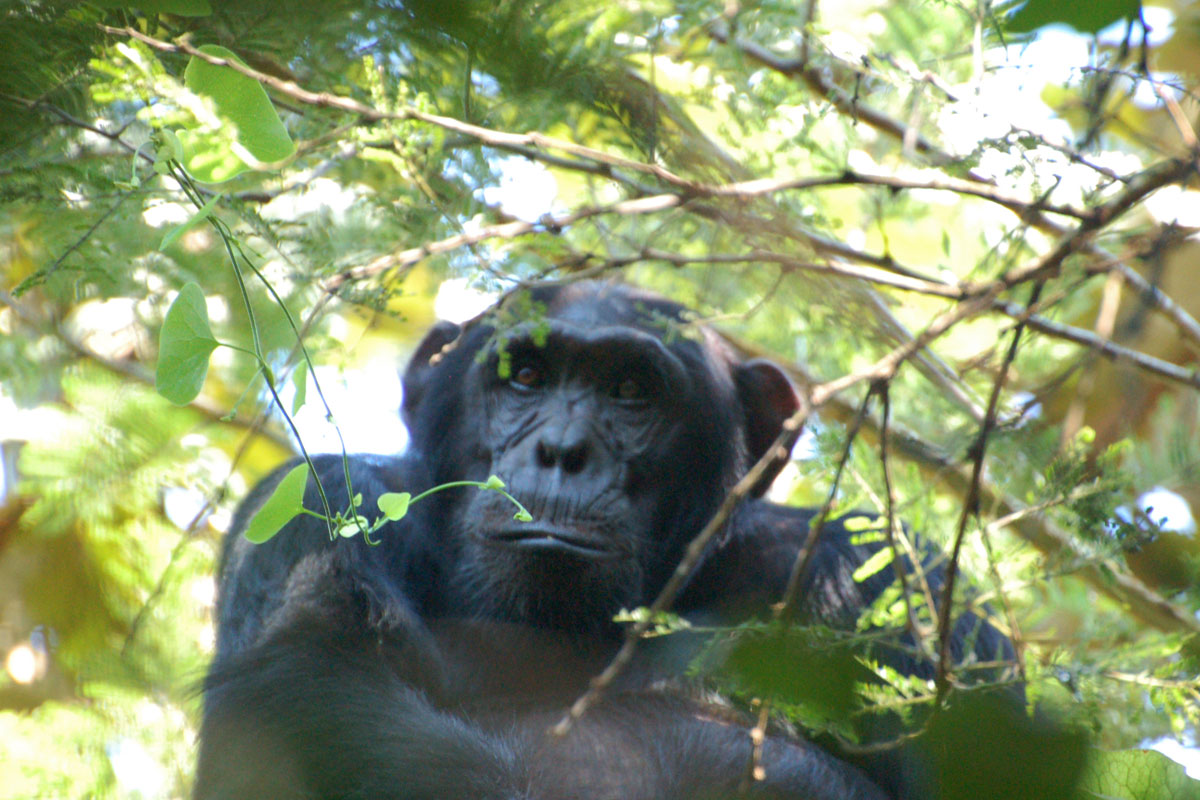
528, 377
629, 389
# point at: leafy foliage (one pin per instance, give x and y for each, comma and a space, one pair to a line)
854, 190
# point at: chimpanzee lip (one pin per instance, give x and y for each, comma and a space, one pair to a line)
549, 540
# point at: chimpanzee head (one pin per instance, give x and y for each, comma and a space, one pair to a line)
612, 416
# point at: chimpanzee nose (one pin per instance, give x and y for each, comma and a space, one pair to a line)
566, 449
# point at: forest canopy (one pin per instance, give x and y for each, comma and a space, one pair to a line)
969, 232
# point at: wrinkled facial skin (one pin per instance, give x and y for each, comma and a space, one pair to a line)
619, 437
580, 428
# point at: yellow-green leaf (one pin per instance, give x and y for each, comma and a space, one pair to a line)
353, 527
284, 504
300, 384
394, 505
878, 561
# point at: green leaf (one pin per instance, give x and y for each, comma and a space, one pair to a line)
353, 527
1090, 17
394, 505
300, 384
984, 735
184, 345
859, 522
1136, 775
201, 215
523, 516
493, 482
803, 667
878, 561
284, 504
181, 8
251, 134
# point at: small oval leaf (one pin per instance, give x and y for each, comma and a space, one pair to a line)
394, 505
878, 561
284, 504
184, 345
353, 527
494, 482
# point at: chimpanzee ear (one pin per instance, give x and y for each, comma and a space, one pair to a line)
768, 399
416, 375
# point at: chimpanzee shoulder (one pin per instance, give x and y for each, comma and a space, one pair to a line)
431, 663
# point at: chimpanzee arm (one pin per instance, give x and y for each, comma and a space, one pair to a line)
655, 745
320, 713
322, 683
325, 714
750, 571
402, 571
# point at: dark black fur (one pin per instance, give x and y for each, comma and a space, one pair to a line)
431, 665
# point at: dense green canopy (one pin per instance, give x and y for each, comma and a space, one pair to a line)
969, 235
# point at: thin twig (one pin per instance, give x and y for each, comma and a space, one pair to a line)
776, 454
788, 604
970, 505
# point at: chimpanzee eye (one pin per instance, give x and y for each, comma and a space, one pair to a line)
528, 376
629, 389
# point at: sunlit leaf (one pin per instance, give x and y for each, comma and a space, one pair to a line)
879, 560
284, 504
353, 527
251, 134
394, 505
184, 346
1137, 775
858, 522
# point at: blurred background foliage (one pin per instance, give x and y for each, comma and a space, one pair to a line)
877, 148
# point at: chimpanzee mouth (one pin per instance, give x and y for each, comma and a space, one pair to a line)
551, 541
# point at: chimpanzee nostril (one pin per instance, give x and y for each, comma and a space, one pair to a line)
569, 455
573, 459
545, 455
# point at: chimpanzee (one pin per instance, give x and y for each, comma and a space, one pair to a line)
433, 663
